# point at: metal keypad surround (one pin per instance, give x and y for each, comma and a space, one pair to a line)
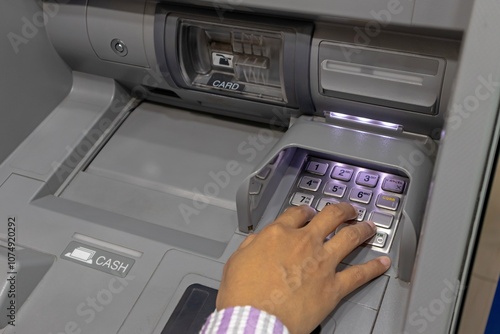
378, 196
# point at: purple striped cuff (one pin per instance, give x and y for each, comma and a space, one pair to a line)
243, 320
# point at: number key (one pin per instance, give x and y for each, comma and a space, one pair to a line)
360, 195
301, 199
325, 202
335, 189
317, 167
342, 173
361, 213
309, 183
367, 179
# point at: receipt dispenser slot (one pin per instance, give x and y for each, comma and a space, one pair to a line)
385, 78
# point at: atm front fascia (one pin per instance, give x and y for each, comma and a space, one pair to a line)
185, 127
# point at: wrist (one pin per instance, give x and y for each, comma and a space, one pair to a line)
243, 318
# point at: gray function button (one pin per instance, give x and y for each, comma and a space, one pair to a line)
394, 185
264, 173
360, 195
381, 219
367, 179
324, 202
387, 202
309, 183
317, 167
255, 187
342, 173
273, 160
378, 240
335, 189
301, 199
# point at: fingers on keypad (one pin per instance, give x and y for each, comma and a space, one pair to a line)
376, 196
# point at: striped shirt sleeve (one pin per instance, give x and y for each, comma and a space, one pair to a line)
243, 320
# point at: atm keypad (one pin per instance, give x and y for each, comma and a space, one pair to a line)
377, 196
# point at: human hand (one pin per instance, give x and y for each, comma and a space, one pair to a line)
288, 269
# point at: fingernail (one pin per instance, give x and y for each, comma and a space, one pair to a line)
385, 260
372, 225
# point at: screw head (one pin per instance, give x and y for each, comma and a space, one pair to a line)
119, 47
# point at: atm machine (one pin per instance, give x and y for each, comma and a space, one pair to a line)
156, 135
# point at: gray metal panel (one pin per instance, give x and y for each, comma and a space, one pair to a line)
161, 295
68, 34
153, 169
33, 78
349, 318
121, 20
442, 14
183, 153
397, 12
68, 31
153, 206
460, 179
20, 278
62, 296
369, 295
138, 228
91, 106
391, 315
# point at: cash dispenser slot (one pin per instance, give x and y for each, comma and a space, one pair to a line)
155, 170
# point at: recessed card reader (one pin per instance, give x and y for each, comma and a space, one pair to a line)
239, 56
232, 59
